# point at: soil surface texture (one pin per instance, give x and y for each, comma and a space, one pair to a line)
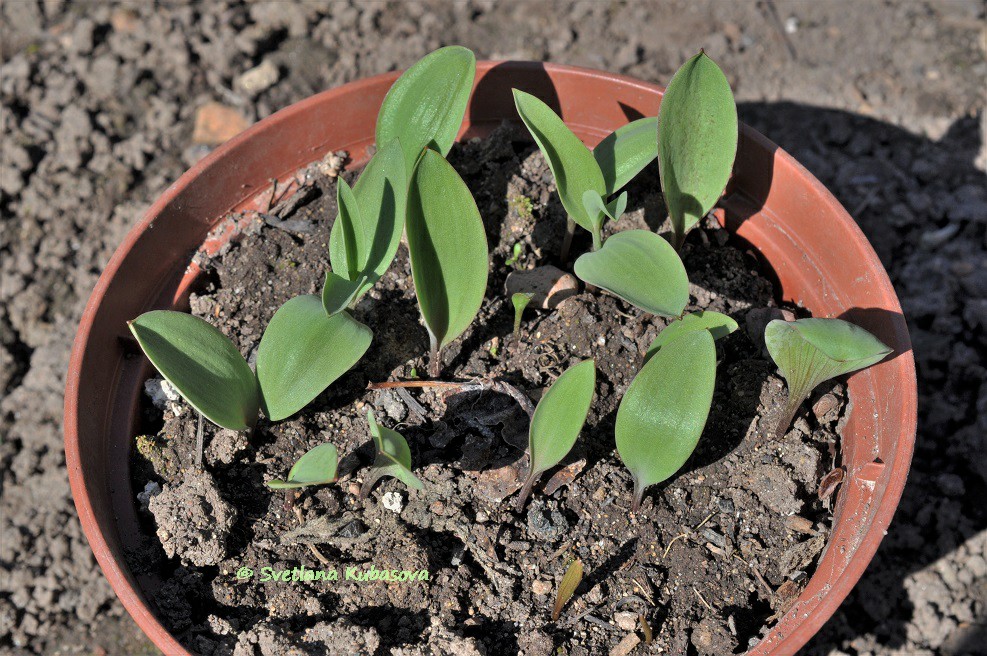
883, 102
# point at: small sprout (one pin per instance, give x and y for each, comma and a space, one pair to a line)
624, 153
367, 231
718, 325
316, 467
594, 204
202, 364
811, 351
494, 347
303, 351
522, 205
515, 255
448, 247
697, 142
393, 458
570, 581
558, 418
645, 629
641, 268
425, 107
664, 411
520, 301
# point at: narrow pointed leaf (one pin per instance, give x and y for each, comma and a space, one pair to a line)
303, 351
367, 231
594, 204
338, 292
718, 325
316, 467
624, 153
697, 140
448, 247
558, 418
571, 162
393, 457
662, 415
641, 268
811, 351
202, 364
425, 107
520, 301
616, 207
567, 587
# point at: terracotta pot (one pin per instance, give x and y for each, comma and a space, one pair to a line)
821, 259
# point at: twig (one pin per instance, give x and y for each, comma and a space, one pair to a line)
274, 193
301, 520
701, 599
287, 207
411, 402
475, 386
781, 30
708, 517
677, 537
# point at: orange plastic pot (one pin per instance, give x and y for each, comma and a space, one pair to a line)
821, 259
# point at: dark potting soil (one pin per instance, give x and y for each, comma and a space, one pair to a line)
715, 555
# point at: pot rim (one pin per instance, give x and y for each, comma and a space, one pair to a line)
772, 644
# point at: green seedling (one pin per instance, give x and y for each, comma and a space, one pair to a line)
567, 587
515, 255
520, 301
664, 411
303, 351
367, 230
202, 364
393, 458
641, 268
316, 467
718, 325
811, 351
448, 248
558, 418
697, 142
425, 107
586, 178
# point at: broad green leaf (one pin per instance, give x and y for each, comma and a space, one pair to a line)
338, 292
594, 204
811, 351
697, 141
203, 365
425, 107
393, 457
641, 268
718, 325
570, 581
559, 417
624, 153
448, 248
520, 301
662, 415
571, 162
303, 351
367, 231
316, 467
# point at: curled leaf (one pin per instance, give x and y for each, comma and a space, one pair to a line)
393, 458
303, 351
625, 152
316, 467
664, 411
520, 301
594, 204
718, 325
697, 141
558, 418
425, 106
811, 351
202, 364
641, 268
570, 581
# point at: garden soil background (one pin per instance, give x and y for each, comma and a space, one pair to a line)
884, 102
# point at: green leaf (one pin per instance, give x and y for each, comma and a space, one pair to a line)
811, 351
520, 301
202, 364
570, 581
718, 325
571, 162
559, 417
338, 292
393, 458
697, 141
662, 415
425, 107
624, 153
303, 351
641, 268
448, 248
316, 467
367, 231
594, 204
